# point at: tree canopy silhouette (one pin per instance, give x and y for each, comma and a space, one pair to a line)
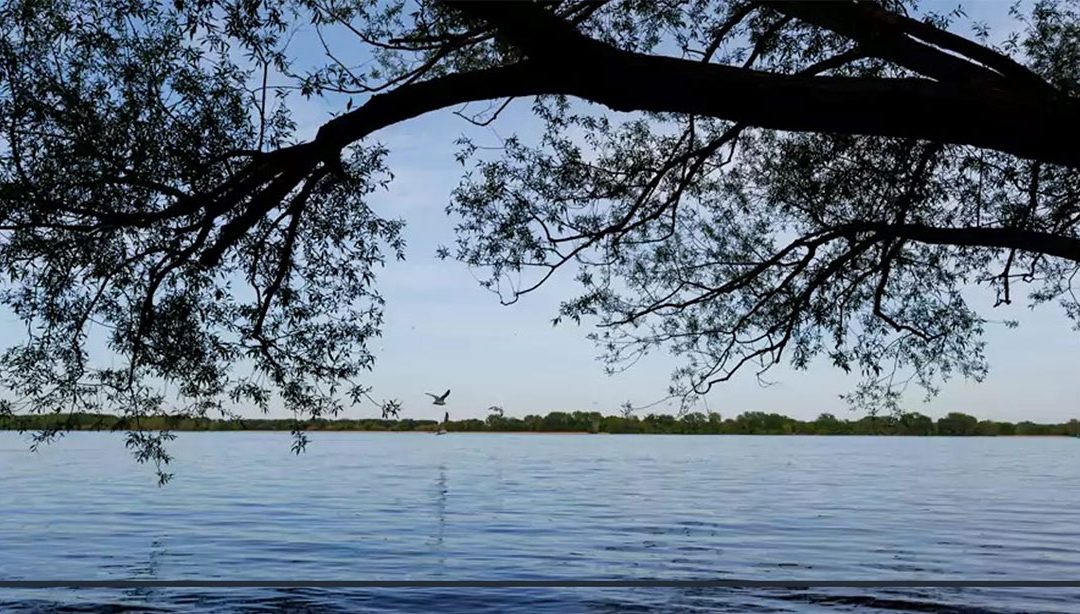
737, 182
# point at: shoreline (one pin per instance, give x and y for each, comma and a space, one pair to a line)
550, 433
954, 424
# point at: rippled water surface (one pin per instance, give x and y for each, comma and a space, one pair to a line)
371, 506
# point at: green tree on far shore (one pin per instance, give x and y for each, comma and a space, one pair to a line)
748, 423
956, 423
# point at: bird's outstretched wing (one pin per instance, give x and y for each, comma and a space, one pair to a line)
434, 396
445, 394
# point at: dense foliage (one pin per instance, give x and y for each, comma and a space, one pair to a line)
739, 183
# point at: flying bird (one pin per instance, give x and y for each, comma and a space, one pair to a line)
439, 400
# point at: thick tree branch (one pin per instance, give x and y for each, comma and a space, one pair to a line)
876, 30
1015, 121
415, 99
1032, 241
866, 21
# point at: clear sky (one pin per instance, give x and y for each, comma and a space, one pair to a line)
444, 331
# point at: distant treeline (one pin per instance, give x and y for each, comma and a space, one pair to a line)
749, 423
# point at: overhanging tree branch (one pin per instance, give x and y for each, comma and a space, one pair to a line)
1031, 241
1020, 122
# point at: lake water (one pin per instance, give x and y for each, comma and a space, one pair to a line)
374, 506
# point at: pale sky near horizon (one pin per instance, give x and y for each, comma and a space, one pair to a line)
444, 331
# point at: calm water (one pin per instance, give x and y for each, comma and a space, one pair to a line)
482, 506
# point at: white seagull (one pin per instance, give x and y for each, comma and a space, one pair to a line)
439, 400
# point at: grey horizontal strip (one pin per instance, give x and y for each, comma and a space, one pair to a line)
734, 583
